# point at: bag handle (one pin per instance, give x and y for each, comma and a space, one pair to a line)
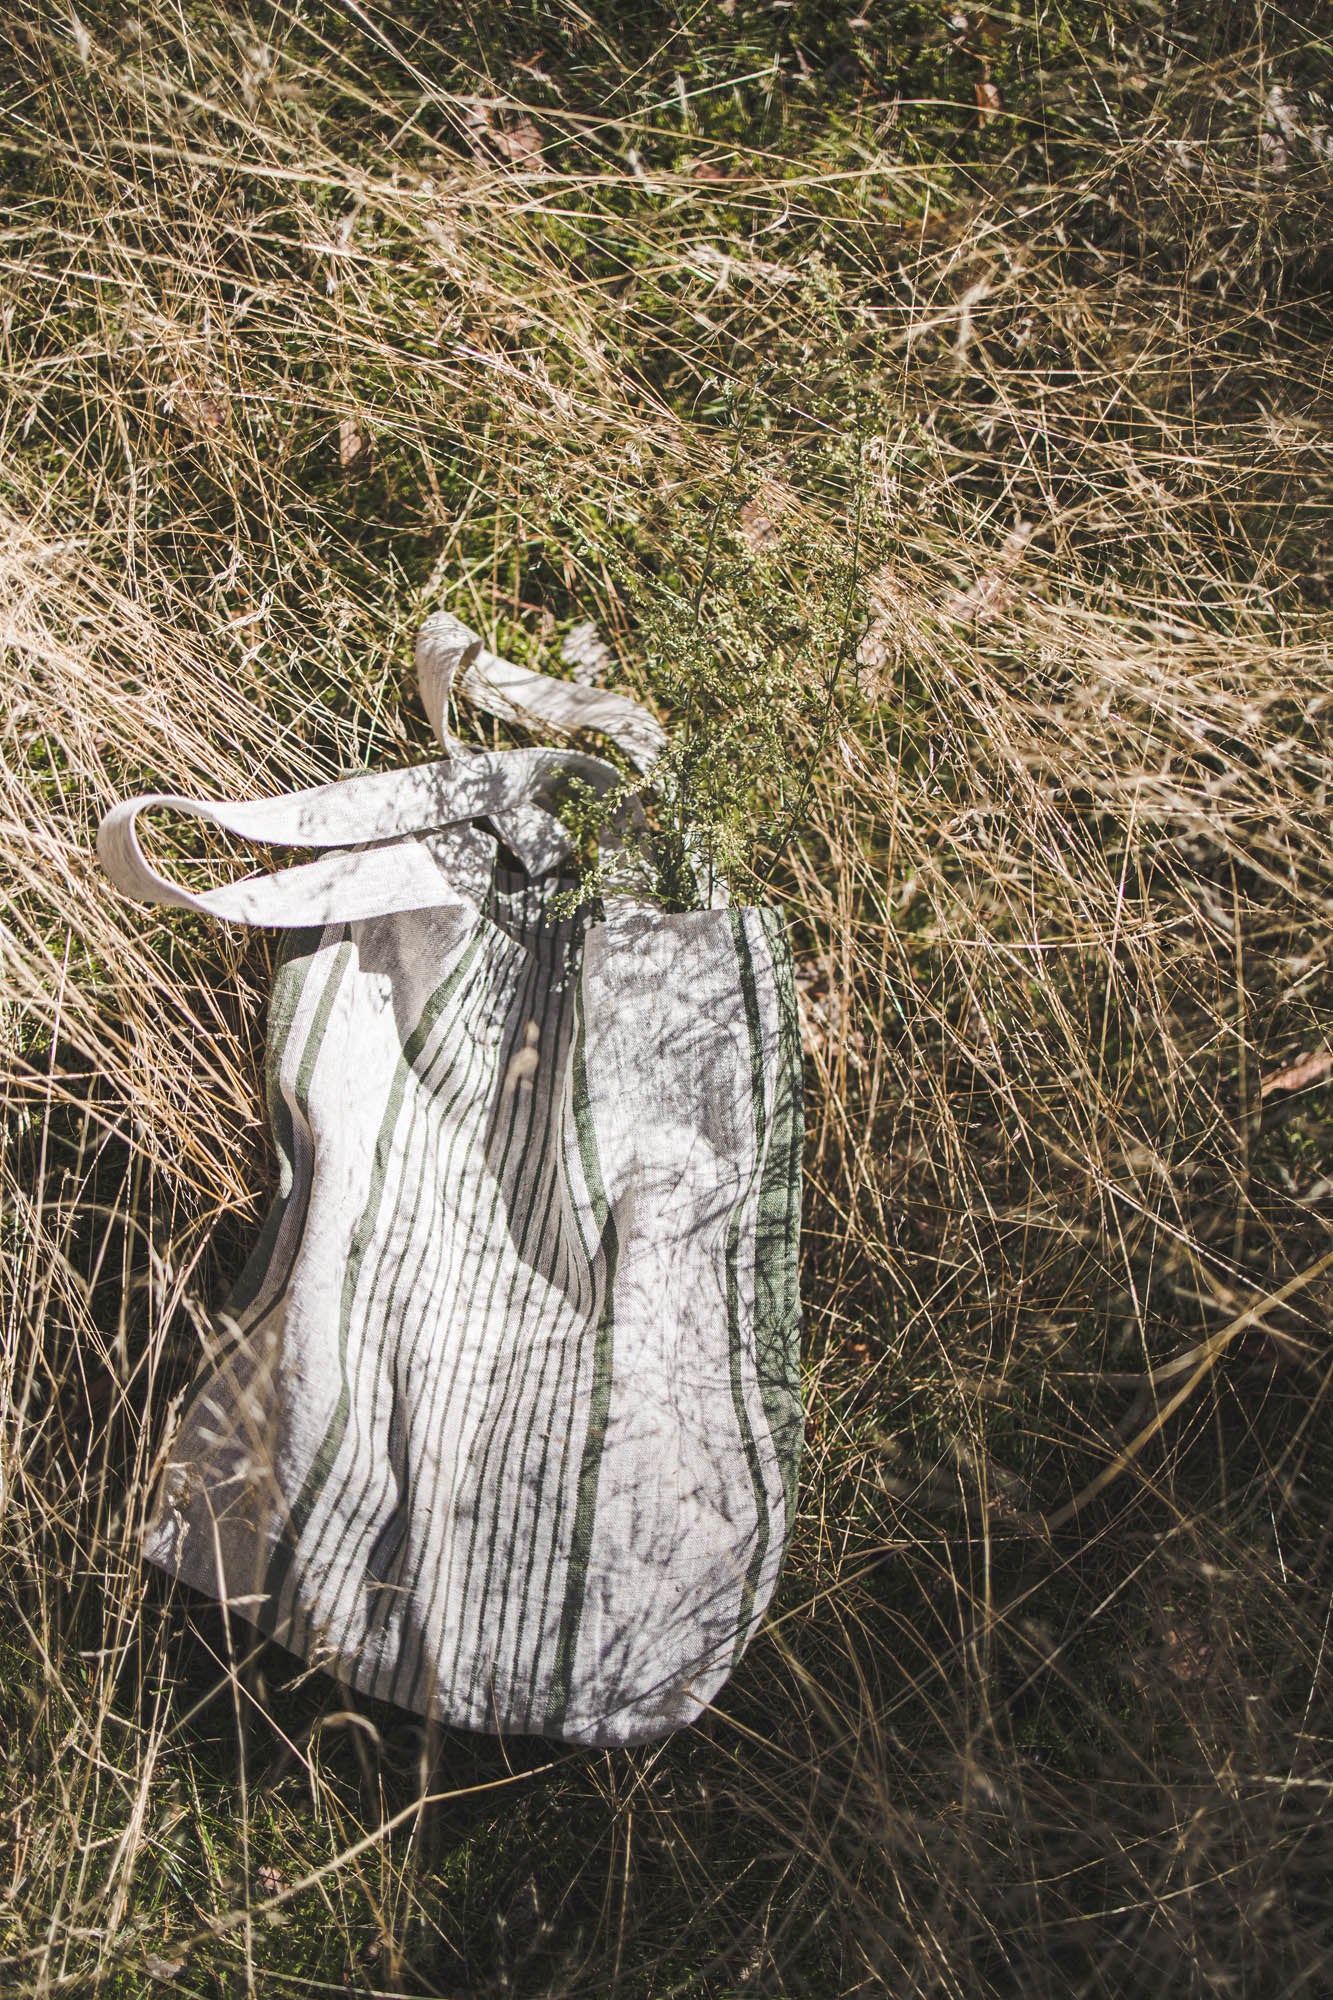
378, 814
447, 651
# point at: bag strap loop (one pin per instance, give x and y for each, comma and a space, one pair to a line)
379, 867
447, 651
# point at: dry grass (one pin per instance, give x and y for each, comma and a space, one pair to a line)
984, 454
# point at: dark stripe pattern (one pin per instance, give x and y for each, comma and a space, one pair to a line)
415, 1493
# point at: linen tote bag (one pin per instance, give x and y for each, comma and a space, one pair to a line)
502, 1421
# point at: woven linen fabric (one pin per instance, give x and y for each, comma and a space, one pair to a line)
502, 1422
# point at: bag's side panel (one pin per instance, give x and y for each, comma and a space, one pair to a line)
221, 1502
682, 1510
305, 988
251, 1458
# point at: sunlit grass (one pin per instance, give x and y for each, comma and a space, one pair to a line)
934, 421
